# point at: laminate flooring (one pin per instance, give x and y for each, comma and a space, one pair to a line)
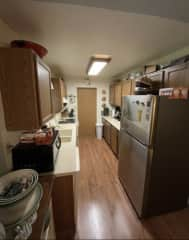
104, 210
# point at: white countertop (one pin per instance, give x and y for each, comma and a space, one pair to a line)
68, 161
73, 127
114, 122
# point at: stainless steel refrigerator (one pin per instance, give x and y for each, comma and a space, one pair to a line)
154, 153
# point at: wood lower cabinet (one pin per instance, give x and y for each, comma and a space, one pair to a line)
107, 132
64, 199
111, 136
114, 140
25, 89
177, 76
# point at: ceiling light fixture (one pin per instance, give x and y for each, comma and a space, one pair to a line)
97, 63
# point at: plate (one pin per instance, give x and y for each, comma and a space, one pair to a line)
11, 177
35, 207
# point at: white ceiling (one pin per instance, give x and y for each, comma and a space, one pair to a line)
73, 33
173, 9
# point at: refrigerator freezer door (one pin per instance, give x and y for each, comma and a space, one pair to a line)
138, 113
132, 169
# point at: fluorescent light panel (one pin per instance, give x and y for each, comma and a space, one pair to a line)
97, 64
96, 67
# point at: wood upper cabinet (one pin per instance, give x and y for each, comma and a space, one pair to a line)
43, 81
58, 93
63, 89
133, 85
115, 94
177, 76
157, 77
25, 89
118, 96
128, 87
112, 94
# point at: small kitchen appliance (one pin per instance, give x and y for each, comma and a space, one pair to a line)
41, 157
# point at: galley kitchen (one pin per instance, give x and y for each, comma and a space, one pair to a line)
94, 113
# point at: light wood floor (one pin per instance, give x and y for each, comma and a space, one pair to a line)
104, 209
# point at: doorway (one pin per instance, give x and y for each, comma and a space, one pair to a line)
87, 98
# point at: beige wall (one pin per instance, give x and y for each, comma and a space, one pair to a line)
6, 138
6, 34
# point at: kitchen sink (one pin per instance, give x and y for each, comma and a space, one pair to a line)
67, 120
65, 132
66, 139
65, 135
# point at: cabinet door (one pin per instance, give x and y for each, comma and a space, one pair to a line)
105, 131
18, 89
64, 207
118, 94
107, 128
126, 87
44, 91
157, 77
56, 95
118, 136
63, 88
114, 140
112, 94
177, 76
133, 85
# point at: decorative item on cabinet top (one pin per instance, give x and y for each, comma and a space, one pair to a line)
37, 48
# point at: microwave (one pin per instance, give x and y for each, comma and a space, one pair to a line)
41, 158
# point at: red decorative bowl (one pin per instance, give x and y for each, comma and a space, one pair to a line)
37, 48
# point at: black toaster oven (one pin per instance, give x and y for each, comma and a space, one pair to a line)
42, 158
